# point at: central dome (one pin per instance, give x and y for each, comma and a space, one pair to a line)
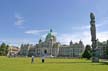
50, 36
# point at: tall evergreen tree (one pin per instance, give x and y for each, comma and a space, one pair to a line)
87, 53
3, 49
107, 48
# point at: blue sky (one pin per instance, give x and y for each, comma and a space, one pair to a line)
26, 21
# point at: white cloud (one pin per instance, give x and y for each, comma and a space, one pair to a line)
17, 41
66, 38
62, 38
101, 23
35, 32
19, 20
87, 27
84, 36
102, 36
44, 36
83, 27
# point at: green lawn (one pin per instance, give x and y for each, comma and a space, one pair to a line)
24, 64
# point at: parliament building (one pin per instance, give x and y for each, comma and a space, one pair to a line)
52, 48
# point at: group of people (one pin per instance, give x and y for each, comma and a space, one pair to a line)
42, 59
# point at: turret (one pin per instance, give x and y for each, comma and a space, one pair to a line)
71, 43
81, 44
40, 41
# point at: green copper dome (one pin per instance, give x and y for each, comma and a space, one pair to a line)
50, 36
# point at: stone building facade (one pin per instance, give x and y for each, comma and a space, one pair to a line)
102, 49
52, 48
13, 51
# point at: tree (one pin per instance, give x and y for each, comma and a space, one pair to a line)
3, 49
107, 48
87, 53
6, 51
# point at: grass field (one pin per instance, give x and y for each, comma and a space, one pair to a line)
24, 64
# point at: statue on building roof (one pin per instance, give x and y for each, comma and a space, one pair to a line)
50, 30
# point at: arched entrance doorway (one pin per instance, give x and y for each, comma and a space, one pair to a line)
45, 51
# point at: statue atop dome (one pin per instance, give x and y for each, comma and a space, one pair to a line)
50, 30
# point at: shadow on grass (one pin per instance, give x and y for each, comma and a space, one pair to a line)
100, 63
103, 63
68, 62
